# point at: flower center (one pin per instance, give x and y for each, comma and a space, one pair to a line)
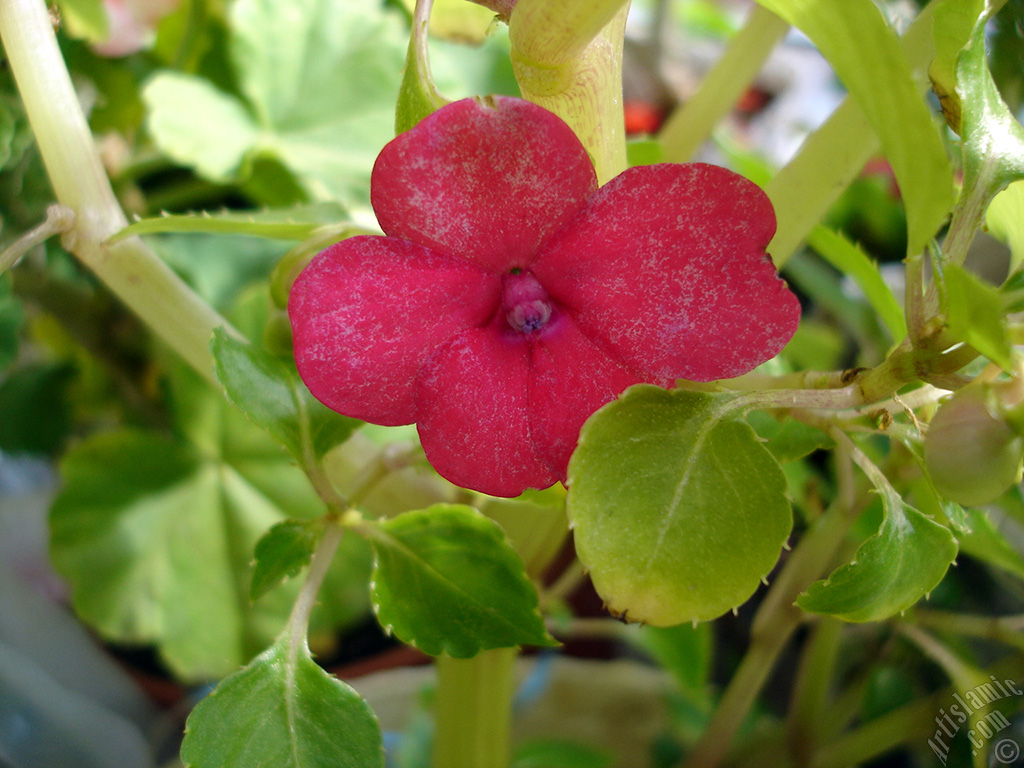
525, 302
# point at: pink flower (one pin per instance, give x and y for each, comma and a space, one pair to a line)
512, 298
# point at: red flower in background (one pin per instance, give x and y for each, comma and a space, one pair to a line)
511, 298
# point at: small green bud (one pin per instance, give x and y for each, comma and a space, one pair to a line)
972, 454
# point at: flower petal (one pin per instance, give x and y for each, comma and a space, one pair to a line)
667, 265
488, 180
571, 378
472, 415
368, 312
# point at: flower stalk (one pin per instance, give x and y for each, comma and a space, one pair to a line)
129, 269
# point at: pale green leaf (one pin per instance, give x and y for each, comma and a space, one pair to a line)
155, 536
974, 313
853, 262
282, 710
678, 509
458, 20
954, 22
85, 19
320, 78
685, 651
866, 55
296, 223
197, 125
891, 571
446, 580
1005, 219
988, 543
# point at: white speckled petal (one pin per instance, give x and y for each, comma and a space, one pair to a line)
369, 311
666, 266
485, 179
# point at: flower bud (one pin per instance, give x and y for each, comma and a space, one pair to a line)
972, 455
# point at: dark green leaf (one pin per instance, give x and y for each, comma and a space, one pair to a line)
891, 571
35, 415
282, 711
281, 553
274, 397
446, 580
678, 509
10, 323
549, 753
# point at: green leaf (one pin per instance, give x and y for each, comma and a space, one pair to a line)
282, 553
296, 223
1005, 220
320, 79
683, 650
987, 543
974, 313
852, 261
199, 126
274, 397
678, 510
993, 140
446, 580
891, 571
155, 536
11, 318
865, 53
85, 18
551, 753
789, 439
954, 22
458, 20
282, 710
35, 415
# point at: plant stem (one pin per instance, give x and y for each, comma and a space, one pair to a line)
474, 705
298, 622
585, 90
130, 269
773, 625
690, 125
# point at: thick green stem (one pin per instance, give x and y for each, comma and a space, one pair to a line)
130, 269
474, 705
585, 90
691, 124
